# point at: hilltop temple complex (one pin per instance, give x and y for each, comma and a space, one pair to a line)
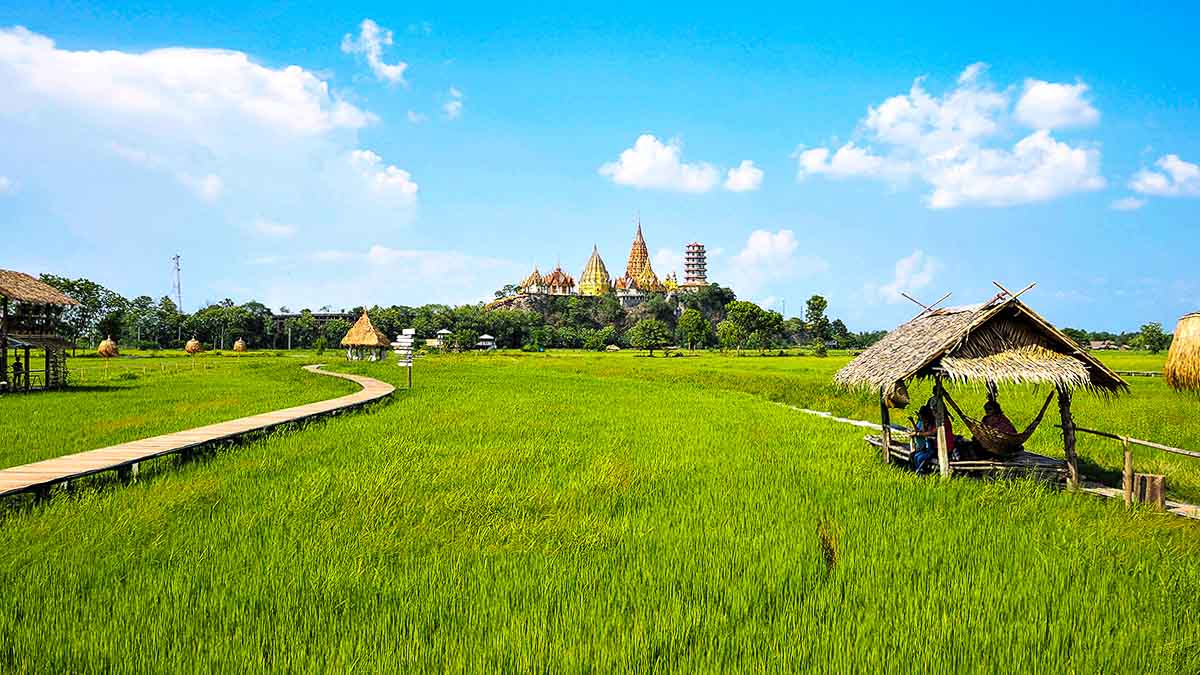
630, 288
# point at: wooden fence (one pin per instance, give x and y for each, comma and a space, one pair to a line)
1127, 474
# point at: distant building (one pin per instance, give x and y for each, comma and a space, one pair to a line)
1101, 345
695, 266
486, 342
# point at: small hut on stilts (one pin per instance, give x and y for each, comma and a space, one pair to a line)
29, 312
364, 342
999, 342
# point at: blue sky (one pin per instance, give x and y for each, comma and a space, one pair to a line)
301, 157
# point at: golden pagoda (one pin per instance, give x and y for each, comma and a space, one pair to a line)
638, 267
594, 279
671, 283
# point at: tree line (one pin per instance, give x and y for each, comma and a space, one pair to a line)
711, 317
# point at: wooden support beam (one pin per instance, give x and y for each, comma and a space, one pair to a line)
1127, 474
1151, 489
1068, 429
3, 339
886, 425
939, 415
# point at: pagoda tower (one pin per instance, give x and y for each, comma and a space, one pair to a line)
594, 279
695, 265
638, 267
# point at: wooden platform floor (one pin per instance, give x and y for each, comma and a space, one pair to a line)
124, 457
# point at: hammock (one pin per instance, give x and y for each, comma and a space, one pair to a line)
992, 439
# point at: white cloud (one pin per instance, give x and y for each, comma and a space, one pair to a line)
1053, 105
269, 228
95, 127
650, 164
667, 260
947, 142
384, 180
454, 106
370, 43
416, 117
1037, 169
769, 257
192, 88
745, 177
6, 185
1128, 204
1175, 178
913, 273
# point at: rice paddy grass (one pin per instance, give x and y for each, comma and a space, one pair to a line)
125, 399
589, 512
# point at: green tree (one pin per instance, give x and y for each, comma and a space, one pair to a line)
1153, 338
815, 320
694, 329
730, 335
649, 334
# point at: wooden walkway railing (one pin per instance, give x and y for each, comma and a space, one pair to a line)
1127, 470
124, 458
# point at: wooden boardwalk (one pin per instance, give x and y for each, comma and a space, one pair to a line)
124, 458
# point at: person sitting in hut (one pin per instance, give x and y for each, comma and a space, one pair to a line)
994, 417
17, 370
924, 457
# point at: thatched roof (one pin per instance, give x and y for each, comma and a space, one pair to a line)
24, 288
1182, 370
364, 334
1002, 341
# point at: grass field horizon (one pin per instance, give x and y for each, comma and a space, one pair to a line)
593, 511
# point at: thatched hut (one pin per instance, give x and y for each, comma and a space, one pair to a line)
998, 342
29, 314
1182, 370
239, 346
364, 342
193, 347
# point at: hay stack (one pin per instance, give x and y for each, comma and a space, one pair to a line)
193, 347
1182, 370
239, 346
108, 348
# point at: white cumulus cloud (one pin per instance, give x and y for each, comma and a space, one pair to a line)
114, 137
770, 257
416, 117
1053, 105
1174, 178
668, 260
912, 273
6, 185
652, 164
950, 143
745, 177
384, 180
371, 40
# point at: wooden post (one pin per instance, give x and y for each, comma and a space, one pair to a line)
939, 418
886, 423
1150, 489
27, 369
1068, 429
4, 339
1127, 475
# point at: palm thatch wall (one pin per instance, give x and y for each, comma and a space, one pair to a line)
1000, 341
1182, 370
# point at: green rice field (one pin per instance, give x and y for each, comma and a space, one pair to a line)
572, 512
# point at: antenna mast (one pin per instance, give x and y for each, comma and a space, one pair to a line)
177, 289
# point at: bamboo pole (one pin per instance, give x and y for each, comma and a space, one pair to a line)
1127, 474
886, 427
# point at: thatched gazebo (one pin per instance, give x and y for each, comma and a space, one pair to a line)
29, 312
364, 342
1182, 370
998, 342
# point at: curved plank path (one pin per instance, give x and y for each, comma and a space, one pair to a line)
124, 458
